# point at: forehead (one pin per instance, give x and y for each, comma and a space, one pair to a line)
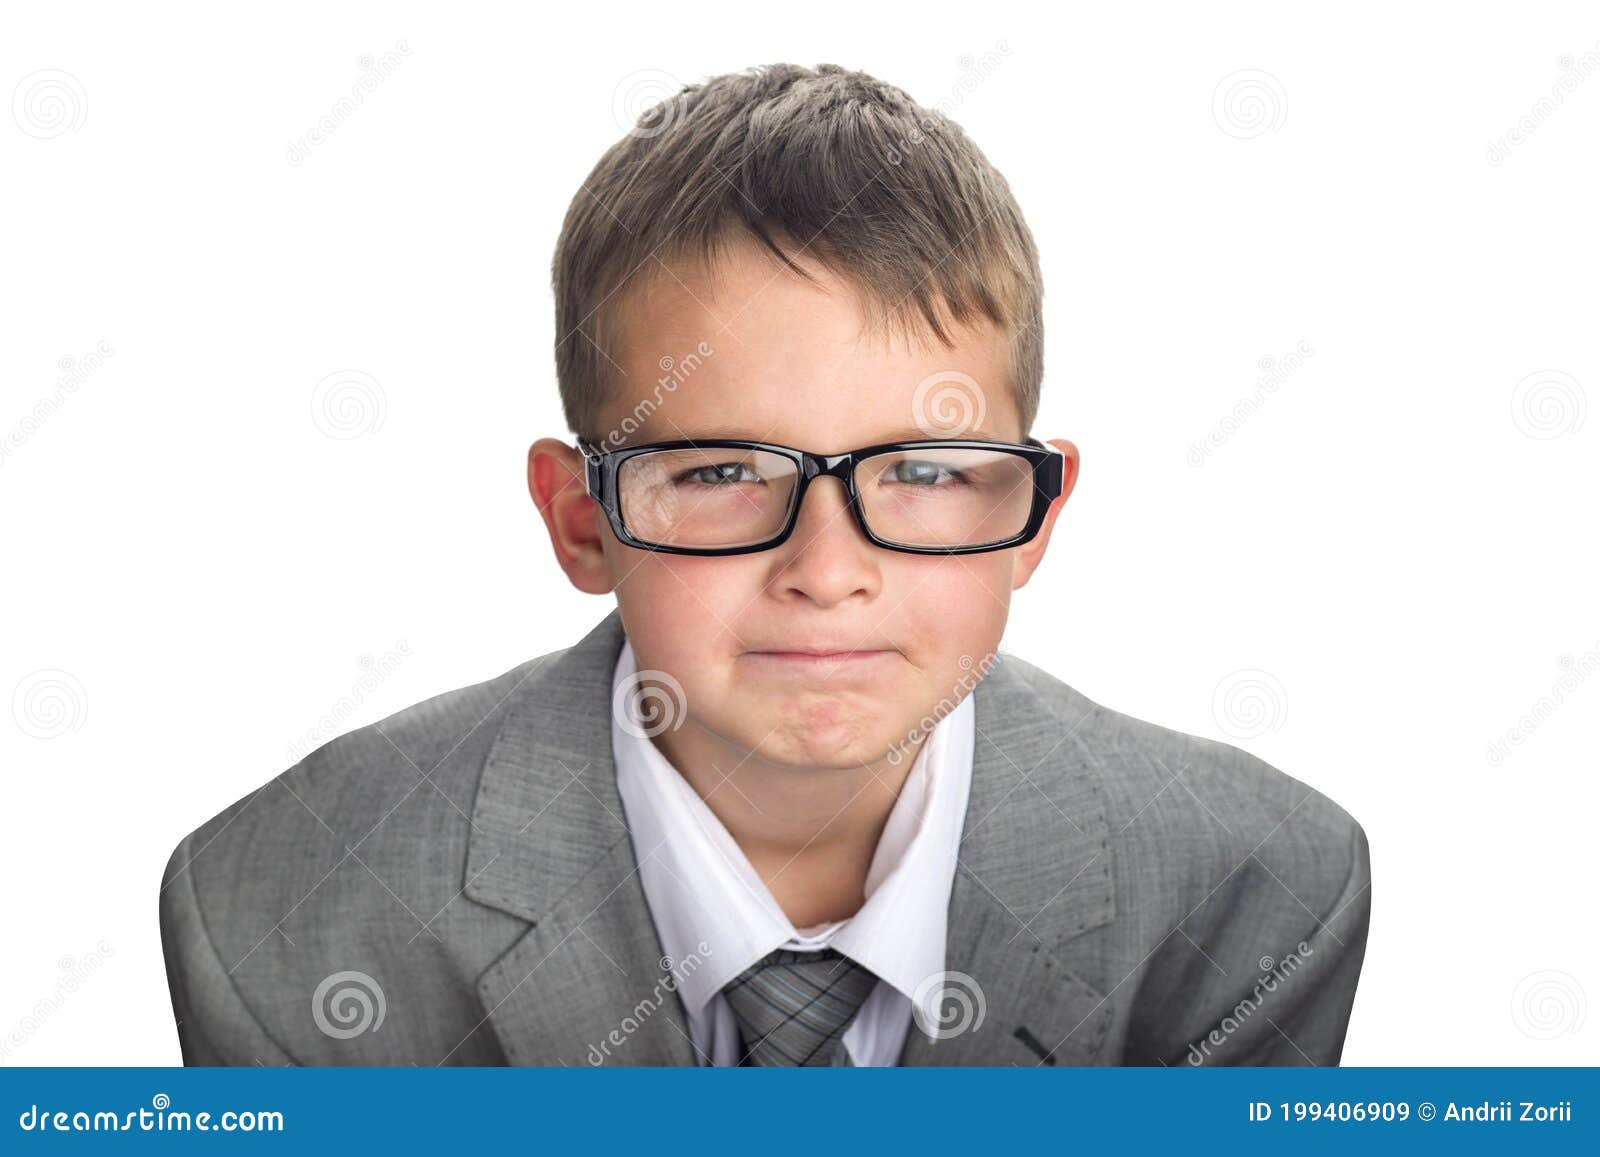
749, 348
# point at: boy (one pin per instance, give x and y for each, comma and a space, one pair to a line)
787, 804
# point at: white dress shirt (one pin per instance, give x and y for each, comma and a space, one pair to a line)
702, 890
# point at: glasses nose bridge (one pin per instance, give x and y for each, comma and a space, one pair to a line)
814, 466
836, 465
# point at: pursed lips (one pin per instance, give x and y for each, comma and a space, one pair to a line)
839, 657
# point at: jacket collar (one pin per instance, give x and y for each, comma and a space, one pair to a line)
587, 982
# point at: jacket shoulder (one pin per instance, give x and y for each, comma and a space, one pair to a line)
347, 785
350, 859
1190, 812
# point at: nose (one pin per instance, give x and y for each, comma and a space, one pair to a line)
826, 559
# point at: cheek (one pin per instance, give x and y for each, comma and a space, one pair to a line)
952, 605
681, 610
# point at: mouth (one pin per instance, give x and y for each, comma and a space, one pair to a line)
822, 660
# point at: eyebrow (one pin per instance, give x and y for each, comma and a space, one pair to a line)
902, 434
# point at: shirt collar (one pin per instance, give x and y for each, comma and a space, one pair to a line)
711, 908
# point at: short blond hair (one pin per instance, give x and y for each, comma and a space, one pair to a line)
892, 197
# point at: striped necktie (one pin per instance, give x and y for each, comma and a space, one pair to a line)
793, 1007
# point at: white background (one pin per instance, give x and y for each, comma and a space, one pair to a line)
1367, 582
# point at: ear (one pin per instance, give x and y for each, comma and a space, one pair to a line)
576, 523
1030, 554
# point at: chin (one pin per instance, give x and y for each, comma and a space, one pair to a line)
820, 738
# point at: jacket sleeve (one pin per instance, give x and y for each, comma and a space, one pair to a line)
1295, 1009
215, 1026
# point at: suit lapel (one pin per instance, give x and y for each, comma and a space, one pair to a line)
1034, 873
587, 983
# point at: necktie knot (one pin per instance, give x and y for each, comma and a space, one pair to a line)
793, 1007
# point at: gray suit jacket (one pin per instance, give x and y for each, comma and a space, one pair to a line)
455, 885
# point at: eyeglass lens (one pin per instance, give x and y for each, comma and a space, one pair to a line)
719, 497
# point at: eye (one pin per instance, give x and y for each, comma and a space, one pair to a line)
919, 472
718, 474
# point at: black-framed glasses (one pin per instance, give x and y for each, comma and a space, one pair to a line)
720, 496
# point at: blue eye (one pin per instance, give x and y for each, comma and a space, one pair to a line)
916, 472
717, 474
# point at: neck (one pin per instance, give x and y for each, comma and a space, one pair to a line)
809, 832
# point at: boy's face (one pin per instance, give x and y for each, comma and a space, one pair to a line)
789, 364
